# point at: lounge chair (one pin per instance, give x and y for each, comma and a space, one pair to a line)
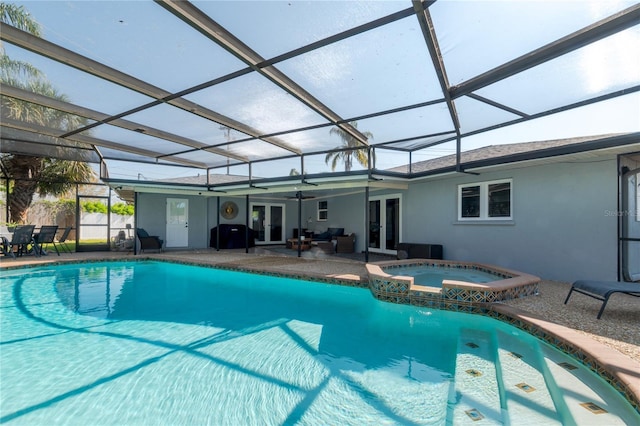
602, 290
62, 241
148, 242
47, 235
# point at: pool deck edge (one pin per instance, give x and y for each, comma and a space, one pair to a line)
607, 362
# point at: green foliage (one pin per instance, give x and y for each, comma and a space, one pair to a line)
351, 148
122, 209
58, 176
67, 205
93, 207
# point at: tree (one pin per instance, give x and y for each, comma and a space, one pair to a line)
350, 148
29, 173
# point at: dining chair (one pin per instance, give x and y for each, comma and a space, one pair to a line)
47, 235
20, 240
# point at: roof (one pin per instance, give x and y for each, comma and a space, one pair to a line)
262, 88
491, 156
507, 153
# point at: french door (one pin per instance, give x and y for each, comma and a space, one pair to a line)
267, 221
385, 224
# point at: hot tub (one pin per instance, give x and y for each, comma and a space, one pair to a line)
446, 284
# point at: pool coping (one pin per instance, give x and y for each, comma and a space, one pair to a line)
614, 367
620, 371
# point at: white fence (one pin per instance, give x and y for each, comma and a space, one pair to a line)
94, 226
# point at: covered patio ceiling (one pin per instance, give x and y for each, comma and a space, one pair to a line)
260, 91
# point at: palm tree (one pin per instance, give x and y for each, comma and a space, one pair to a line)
31, 174
350, 148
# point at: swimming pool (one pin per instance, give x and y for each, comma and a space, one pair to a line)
160, 343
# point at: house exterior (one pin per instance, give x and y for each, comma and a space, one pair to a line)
562, 210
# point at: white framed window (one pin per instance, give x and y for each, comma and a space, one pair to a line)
323, 211
486, 200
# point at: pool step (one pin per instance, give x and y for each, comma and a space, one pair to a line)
474, 397
583, 400
527, 397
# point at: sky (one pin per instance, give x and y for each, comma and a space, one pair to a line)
374, 71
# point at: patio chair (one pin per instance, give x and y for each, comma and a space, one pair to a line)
345, 244
148, 242
62, 241
46, 235
20, 240
602, 290
118, 241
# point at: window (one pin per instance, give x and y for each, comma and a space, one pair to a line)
470, 201
485, 201
638, 197
323, 212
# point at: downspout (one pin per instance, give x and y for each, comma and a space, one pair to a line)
621, 173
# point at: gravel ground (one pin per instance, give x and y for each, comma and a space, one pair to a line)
618, 328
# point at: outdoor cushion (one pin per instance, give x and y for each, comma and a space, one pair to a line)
602, 290
336, 232
322, 236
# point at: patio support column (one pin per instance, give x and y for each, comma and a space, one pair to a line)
299, 196
218, 224
366, 224
135, 221
246, 224
6, 205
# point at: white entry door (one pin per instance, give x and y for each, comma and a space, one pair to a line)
267, 220
177, 222
385, 225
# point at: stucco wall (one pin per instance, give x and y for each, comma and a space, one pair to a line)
346, 211
151, 215
560, 228
564, 224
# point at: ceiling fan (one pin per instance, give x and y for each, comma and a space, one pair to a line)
302, 196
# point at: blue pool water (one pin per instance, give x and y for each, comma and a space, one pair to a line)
432, 276
145, 343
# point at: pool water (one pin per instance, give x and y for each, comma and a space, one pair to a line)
433, 276
160, 343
